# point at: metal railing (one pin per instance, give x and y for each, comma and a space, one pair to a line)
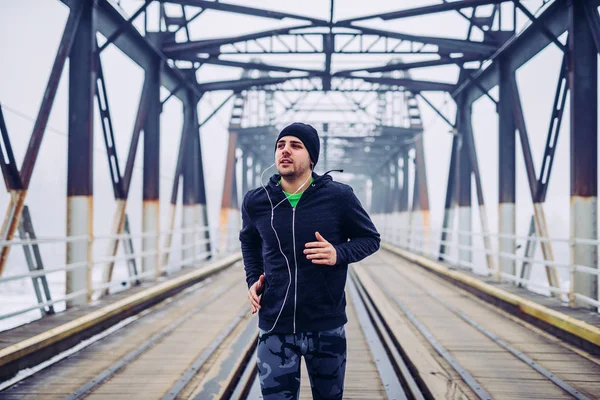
189, 247
398, 231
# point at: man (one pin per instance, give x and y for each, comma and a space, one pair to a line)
299, 234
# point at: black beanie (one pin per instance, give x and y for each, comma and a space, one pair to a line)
307, 134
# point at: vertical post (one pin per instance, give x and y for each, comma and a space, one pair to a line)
80, 155
201, 195
228, 218
465, 218
421, 186
404, 215
189, 219
175, 188
506, 169
151, 172
448, 221
257, 171
389, 200
395, 201
583, 84
244, 172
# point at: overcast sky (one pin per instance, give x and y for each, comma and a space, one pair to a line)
28, 41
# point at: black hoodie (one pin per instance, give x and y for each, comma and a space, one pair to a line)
313, 293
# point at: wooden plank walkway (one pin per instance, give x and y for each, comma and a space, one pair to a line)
20, 333
362, 378
198, 316
502, 374
155, 370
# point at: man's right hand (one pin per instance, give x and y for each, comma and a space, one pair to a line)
255, 292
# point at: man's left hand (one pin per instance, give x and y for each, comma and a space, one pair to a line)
321, 252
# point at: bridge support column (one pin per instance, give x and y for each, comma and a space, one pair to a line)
420, 188
229, 223
465, 216
80, 156
257, 171
192, 209
245, 159
404, 215
396, 194
203, 221
583, 84
506, 170
450, 202
151, 173
387, 208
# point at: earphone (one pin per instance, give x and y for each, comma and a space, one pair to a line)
278, 241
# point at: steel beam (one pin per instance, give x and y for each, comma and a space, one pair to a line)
416, 64
409, 84
594, 21
538, 209
120, 182
229, 207
80, 162
425, 10
212, 45
451, 195
466, 131
137, 47
445, 45
421, 176
506, 170
242, 84
465, 216
151, 171
247, 65
583, 84
188, 120
10, 170
244, 172
543, 180
191, 212
204, 249
238, 9
520, 49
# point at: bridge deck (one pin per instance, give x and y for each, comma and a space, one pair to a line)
445, 309
191, 345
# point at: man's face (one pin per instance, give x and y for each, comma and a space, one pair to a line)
291, 157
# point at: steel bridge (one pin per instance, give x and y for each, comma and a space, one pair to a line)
103, 295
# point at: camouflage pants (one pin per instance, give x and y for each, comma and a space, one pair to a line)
280, 355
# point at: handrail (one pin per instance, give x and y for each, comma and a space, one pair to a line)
176, 250
427, 241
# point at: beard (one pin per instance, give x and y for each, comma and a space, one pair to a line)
292, 171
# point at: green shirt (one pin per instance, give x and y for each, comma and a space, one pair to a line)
295, 197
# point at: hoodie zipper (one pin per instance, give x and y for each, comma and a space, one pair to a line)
295, 262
